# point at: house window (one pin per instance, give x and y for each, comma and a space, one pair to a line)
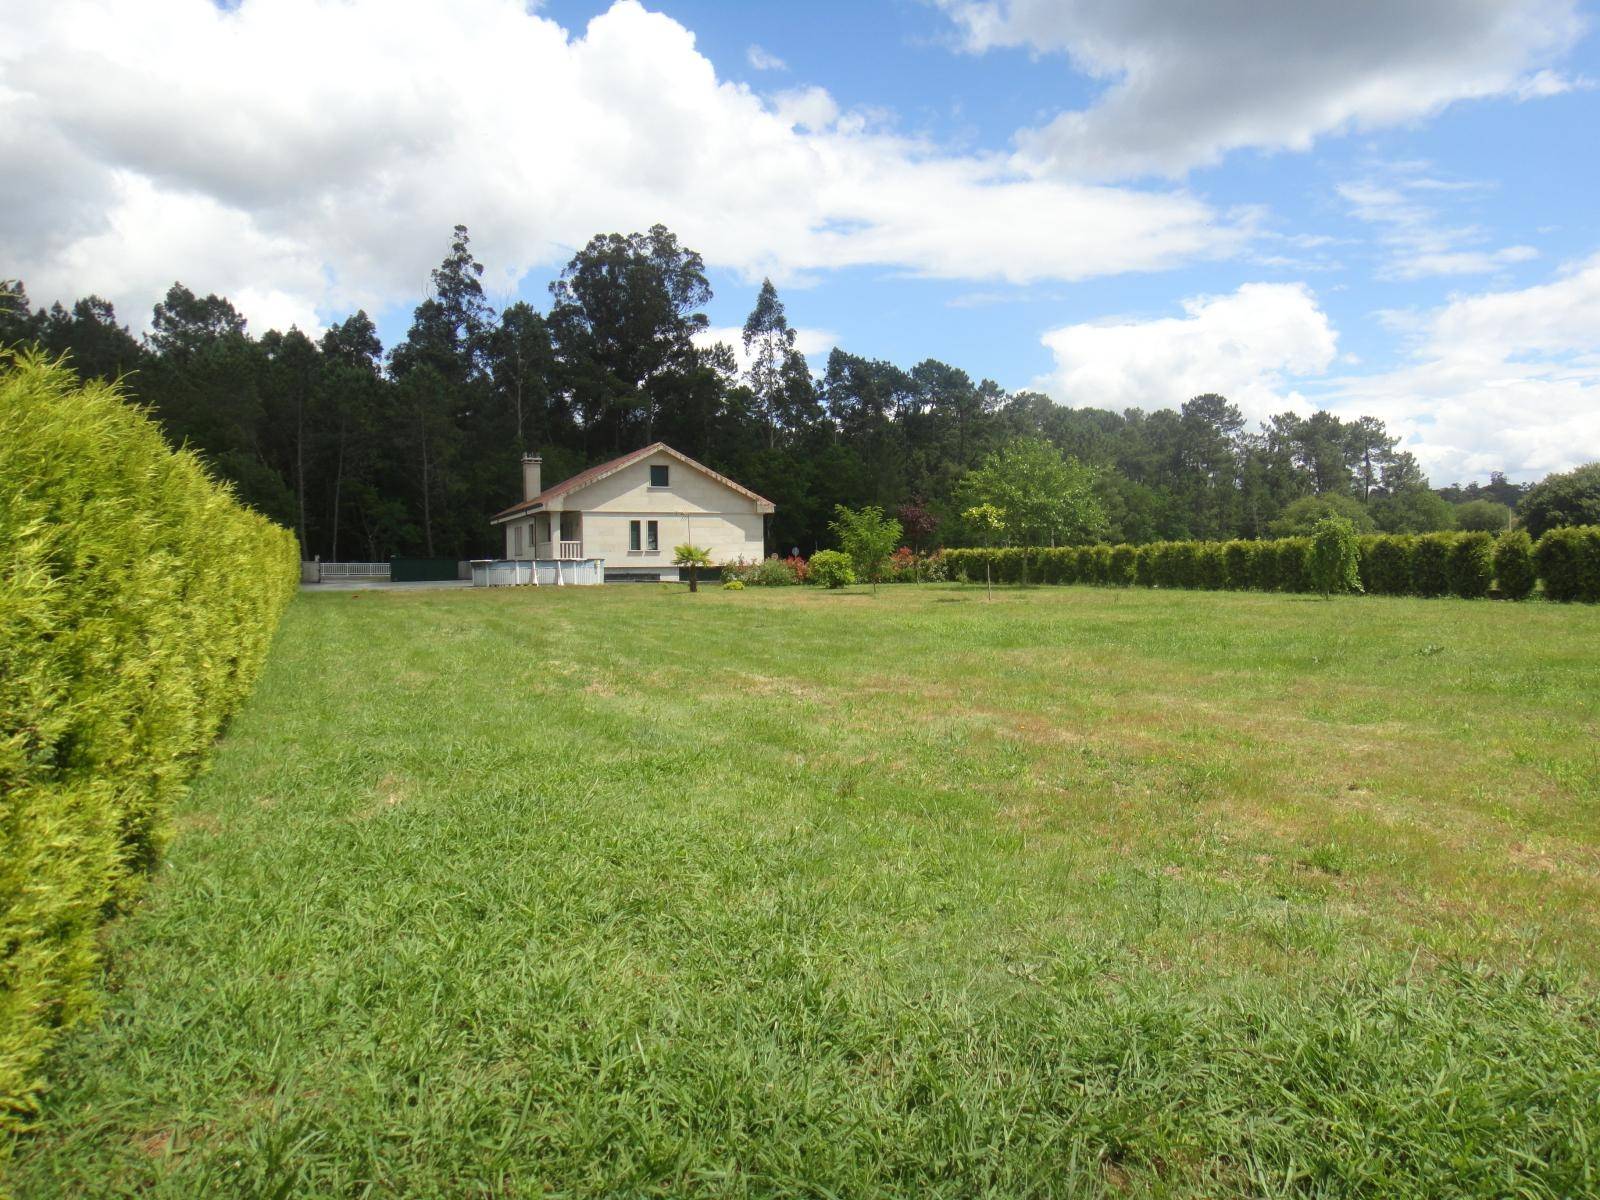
633, 535
658, 475
652, 536
516, 541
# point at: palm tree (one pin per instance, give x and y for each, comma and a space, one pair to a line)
693, 557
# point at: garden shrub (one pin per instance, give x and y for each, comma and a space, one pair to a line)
733, 585
1211, 567
1568, 560
1238, 565
1513, 564
1264, 566
1388, 565
1430, 564
1471, 565
1294, 564
832, 569
1144, 569
1120, 563
137, 603
1333, 557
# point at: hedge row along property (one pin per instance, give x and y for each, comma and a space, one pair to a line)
137, 602
1470, 565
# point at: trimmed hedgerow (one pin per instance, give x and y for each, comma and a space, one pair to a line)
1513, 564
1568, 561
1430, 564
1238, 564
1471, 565
1387, 561
1437, 564
137, 602
1294, 564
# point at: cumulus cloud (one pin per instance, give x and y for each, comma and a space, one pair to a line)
1248, 345
308, 156
1506, 380
1186, 83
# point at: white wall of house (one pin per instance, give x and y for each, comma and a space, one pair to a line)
693, 507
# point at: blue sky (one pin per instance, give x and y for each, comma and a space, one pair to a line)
1374, 207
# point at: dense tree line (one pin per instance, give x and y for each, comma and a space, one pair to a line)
367, 454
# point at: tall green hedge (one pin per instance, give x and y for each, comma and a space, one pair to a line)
1568, 560
1469, 565
137, 601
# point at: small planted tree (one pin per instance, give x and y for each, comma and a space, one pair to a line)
1335, 557
867, 537
693, 557
990, 522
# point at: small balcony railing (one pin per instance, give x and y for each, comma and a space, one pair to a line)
566, 551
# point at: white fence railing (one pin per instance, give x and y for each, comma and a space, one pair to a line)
355, 570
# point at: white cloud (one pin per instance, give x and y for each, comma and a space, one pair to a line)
308, 156
1187, 83
764, 60
1419, 245
813, 343
1504, 380
1247, 345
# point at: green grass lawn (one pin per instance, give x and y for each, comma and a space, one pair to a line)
630, 892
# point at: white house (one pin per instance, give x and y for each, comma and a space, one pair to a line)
632, 512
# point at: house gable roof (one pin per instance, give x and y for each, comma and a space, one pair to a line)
595, 474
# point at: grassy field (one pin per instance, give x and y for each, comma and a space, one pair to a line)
1079, 892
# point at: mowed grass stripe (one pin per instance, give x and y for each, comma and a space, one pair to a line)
774, 893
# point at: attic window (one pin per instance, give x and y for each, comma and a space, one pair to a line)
658, 475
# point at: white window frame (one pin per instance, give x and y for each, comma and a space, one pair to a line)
652, 537
516, 541
635, 537
666, 467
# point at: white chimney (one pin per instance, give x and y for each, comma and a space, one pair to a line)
530, 475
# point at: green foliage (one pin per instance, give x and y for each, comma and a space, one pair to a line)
1388, 565
733, 585
1294, 564
1568, 559
137, 605
1046, 497
867, 537
1430, 564
1414, 510
1300, 518
832, 569
1121, 564
769, 572
1513, 564
1570, 498
1482, 516
1238, 565
1471, 565
1334, 557
696, 558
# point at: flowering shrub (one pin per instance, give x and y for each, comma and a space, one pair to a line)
769, 572
801, 568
